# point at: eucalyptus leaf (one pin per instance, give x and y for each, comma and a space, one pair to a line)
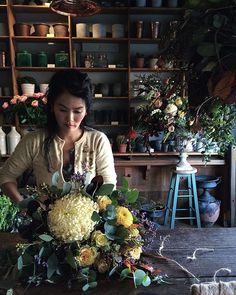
20, 263
139, 275
55, 178
219, 20
146, 281
112, 271
85, 287
66, 188
124, 273
46, 238
93, 284
52, 265
109, 229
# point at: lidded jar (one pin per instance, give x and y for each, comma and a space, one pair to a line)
24, 59
42, 59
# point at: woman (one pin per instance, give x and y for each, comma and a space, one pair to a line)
66, 144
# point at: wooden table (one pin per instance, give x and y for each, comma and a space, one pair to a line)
181, 243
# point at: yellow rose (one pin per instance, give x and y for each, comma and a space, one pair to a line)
100, 239
181, 114
124, 216
103, 201
135, 252
178, 101
87, 256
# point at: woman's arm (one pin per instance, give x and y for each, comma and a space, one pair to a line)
10, 189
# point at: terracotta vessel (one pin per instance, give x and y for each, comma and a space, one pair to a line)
41, 29
61, 30
22, 29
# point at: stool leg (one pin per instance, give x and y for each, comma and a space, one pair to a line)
190, 200
169, 201
176, 190
196, 201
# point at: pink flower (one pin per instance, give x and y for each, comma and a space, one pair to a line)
44, 100
5, 105
34, 103
157, 94
171, 128
22, 98
38, 95
14, 99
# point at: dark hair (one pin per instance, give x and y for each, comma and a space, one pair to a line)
71, 81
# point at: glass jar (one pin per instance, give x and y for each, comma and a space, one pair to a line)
102, 61
42, 59
62, 59
2, 59
24, 59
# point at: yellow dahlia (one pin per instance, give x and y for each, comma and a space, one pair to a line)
103, 201
87, 256
70, 217
135, 252
124, 216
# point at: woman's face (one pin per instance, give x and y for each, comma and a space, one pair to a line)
69, 112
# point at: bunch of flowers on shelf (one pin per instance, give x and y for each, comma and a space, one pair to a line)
30, 110
82, 231
165, 108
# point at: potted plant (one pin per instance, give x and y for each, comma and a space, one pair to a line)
27, 85
121, 142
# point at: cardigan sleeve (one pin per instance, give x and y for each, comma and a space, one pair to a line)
105, 160
19, 161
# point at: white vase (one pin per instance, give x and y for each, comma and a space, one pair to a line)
183, 164
13, 138
99, 30
27, 89
81, 30
3, 147
43, 88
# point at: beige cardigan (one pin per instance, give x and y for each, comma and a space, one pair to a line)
92, 150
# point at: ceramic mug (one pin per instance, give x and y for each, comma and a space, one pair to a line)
99, 30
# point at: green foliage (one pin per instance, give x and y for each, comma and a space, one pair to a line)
8, 213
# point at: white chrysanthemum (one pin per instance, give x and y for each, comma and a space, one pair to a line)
70, 217
171, 109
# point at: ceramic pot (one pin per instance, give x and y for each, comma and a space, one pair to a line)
140, 3
209, 207
43, 87
22, 29
122, 148
81, 30
153, 63
118, 31
155, 214
27, 89
156, 3
172, 3
139, 62
41, 29
61, 30
99, 30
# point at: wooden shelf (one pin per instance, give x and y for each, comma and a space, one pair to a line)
39, 39
40, 69
102, 69
7, 68
32, 9
154, 70
100, 40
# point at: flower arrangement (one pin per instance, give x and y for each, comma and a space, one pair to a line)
79, 234
166, 109
30, 110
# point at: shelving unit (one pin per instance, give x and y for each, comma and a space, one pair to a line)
119, 51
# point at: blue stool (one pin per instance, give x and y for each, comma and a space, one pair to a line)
174, 195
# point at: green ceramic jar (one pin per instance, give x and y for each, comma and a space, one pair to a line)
24, 59
42, 59
62, 59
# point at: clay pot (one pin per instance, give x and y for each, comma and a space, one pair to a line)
22, 29
61, 30
41, 29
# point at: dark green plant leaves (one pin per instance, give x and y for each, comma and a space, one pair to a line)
55, 178
208, 49
105, 189
52, 265
46, 238
95, 216
131, 196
